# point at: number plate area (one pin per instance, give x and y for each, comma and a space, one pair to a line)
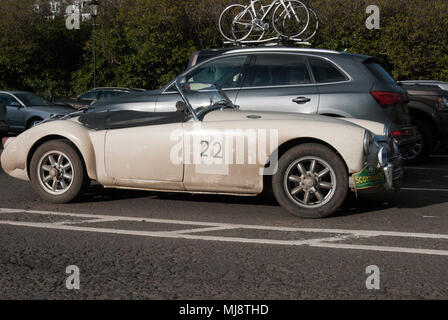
369, 177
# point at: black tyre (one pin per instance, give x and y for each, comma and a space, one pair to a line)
33, 122
57, 172
419, 152
311, 181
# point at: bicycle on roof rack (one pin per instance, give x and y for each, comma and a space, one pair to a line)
281, 21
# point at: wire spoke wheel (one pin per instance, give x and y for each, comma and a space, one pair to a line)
310, 182
55, 172
236, 23
291, 19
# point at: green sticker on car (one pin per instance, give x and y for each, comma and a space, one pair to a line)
369, 177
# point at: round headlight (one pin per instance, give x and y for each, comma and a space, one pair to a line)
369, 139
383, 157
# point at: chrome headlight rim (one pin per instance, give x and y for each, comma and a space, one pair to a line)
369, 139
383, 157
387, 132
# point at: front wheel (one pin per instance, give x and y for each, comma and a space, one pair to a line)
291, 19
57, 172
311, 181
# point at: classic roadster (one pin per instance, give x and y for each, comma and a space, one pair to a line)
207, 146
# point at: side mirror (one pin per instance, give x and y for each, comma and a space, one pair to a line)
15, 104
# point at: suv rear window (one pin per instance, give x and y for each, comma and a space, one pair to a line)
378, 72
279, 70
325, 72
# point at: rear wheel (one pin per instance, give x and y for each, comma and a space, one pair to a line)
311, 182
57, 172
418, 152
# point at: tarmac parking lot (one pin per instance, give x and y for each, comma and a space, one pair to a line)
147, 245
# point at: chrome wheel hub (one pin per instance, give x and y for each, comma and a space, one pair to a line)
55, 172
310, 182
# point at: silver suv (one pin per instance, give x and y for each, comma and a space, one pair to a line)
292, 80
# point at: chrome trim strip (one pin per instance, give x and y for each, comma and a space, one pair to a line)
189, 106
281, 49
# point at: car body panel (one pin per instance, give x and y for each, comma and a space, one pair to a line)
109, 154
140, 160
139, 101
91, 97
424, 98
15, 161
3, 124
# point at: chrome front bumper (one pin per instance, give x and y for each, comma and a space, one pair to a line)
393, 177
387, 171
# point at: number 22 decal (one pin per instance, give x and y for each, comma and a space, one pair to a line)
216, 151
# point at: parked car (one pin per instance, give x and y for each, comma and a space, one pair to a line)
25, 109
431, 83
292, 80
3, 123
428, 107
88, 98
207, 146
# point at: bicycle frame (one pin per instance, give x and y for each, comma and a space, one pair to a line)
265, 12
270, 7
260, 18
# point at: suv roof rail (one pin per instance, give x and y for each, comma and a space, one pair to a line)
261, 49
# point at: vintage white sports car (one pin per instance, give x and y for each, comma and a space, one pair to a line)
207, 146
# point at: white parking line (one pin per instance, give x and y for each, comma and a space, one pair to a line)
337, 235
362, 233
381, 248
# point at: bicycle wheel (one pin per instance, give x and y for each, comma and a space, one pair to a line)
235, 22
291, 19
313, 26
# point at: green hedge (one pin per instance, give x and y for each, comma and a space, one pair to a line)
145, 43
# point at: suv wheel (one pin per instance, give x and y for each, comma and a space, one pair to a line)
311, 182
420, 151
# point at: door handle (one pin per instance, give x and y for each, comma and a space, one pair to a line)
301, 100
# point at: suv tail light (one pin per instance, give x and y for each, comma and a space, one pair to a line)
386, 99
402, 132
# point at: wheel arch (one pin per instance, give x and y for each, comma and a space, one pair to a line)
288, 145
32, 118
83, 151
